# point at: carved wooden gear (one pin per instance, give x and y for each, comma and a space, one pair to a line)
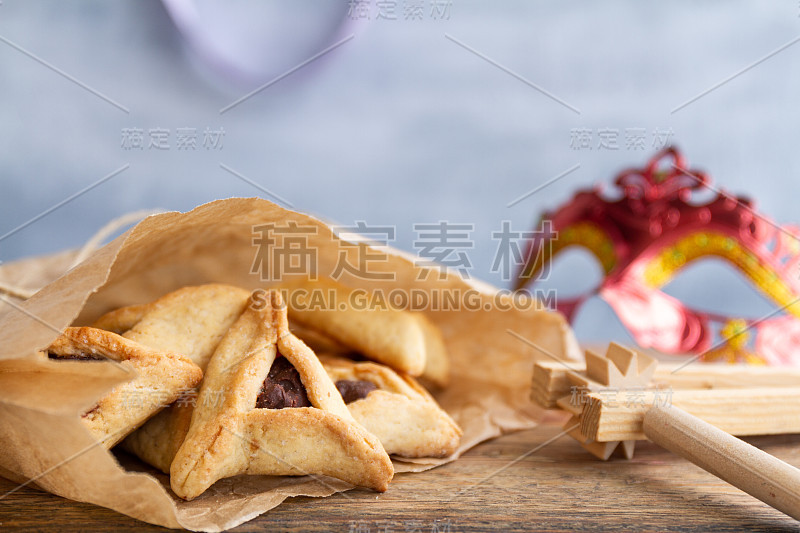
621, 369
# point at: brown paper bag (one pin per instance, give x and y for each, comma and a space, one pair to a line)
43, 442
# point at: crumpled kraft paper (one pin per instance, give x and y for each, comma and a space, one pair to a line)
43, 443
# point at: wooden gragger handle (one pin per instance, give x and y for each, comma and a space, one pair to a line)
742, 465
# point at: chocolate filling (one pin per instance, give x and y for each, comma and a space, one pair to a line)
352, 390
76, 356
282, 387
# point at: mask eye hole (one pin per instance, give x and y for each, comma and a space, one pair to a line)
595, 324
573, 272
711, 284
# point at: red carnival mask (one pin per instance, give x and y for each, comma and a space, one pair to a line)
646, 237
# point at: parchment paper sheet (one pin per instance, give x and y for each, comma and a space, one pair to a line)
43, 440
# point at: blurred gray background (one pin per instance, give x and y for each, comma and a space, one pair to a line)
398, 125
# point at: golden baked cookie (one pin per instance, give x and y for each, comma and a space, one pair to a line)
400, 339
318, 341
161, 377
394, 408
158, 440
121, 320
437, 362
190, 321
267, 406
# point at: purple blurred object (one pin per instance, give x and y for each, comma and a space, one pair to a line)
246, 42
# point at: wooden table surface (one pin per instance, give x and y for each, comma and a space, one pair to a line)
513, 483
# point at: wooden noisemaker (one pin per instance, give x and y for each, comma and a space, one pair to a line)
692, 411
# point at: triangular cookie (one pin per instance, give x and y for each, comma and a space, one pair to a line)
190, 321
159, 439
395, 408
161, 377
229, 435
365, 322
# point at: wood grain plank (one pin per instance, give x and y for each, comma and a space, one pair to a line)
558, 487
618, 416
551, 380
